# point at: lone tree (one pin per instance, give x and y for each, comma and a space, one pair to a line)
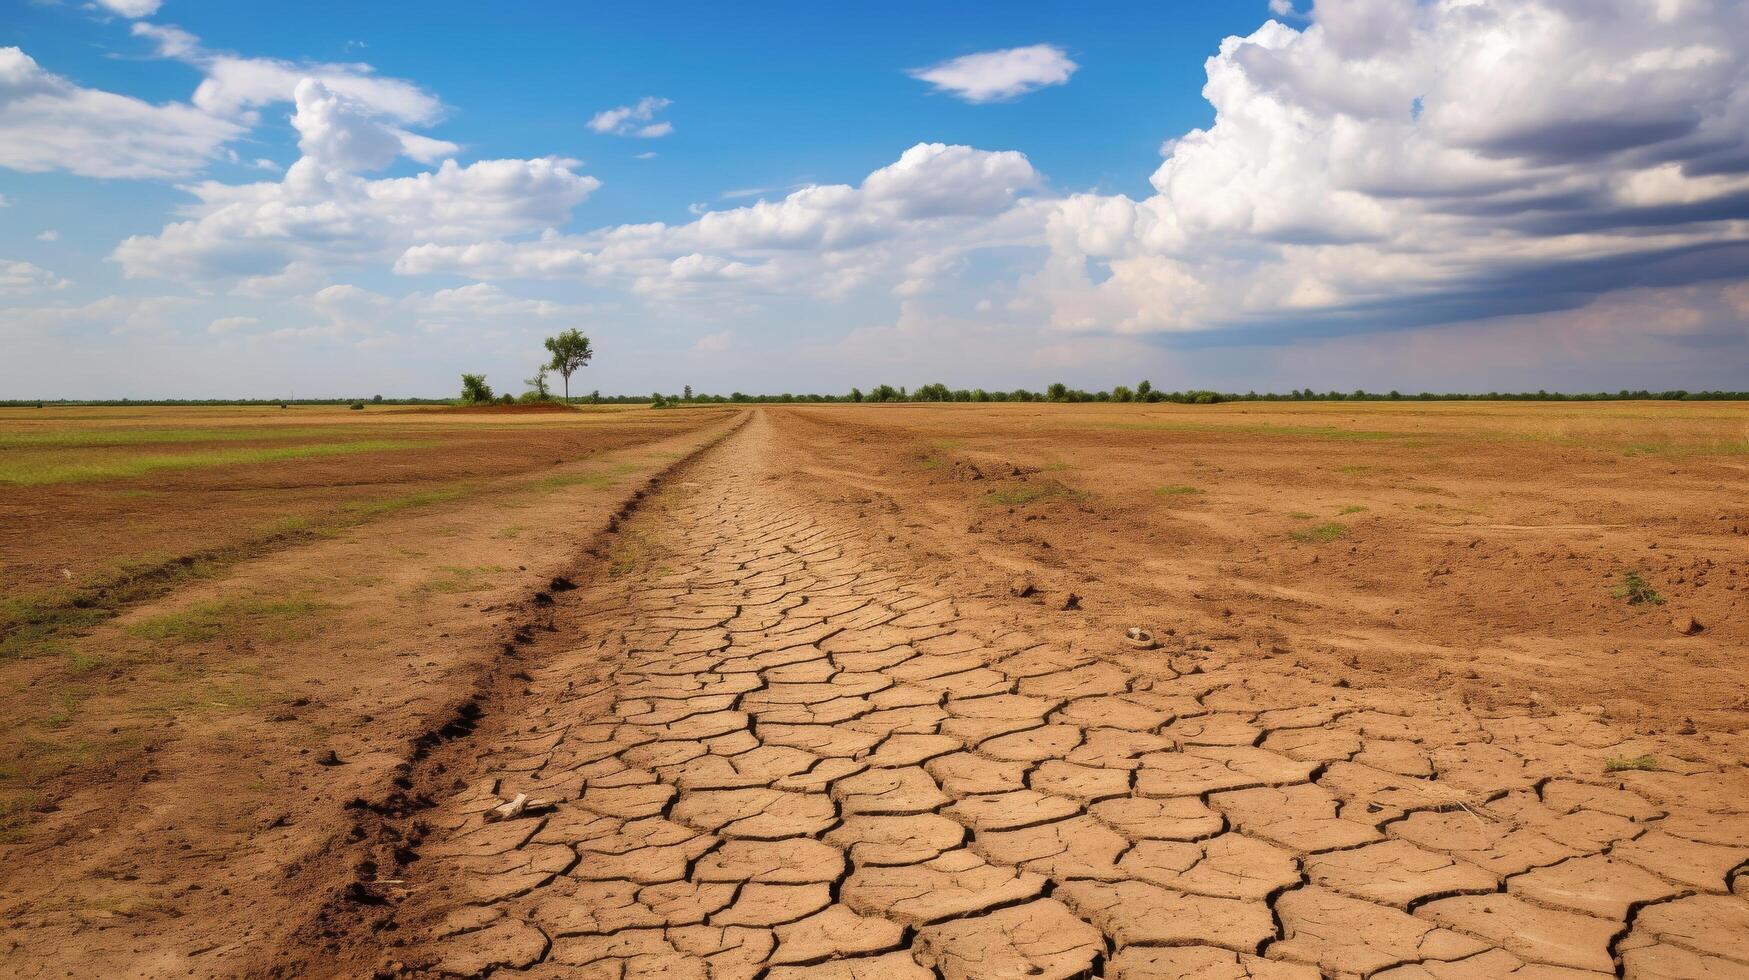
570, 350
475, 390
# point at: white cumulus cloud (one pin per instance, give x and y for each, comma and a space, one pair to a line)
1397, 163
821, 240
323, 212
991, 76
131, 8
715, 342
634, 120
235, 85
49, 123
18, 278
230, 324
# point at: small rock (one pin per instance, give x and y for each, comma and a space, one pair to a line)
1022, 587
508, 811
561, 584
1140, 638
1685, 624
328, 758
1072, 601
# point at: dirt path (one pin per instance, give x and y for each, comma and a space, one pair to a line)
778, 748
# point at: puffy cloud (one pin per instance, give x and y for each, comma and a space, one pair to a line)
235, 86
131, 8
48, 235
321, 213
339, 134
822, 239
20, 278
482, 302
49, 123
111, 314
714, 343
230, 324
634, 120
1399, 163
350, 307
259, 231
991, 76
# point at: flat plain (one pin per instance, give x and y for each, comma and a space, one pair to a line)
1395, 689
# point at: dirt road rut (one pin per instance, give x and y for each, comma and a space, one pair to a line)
779, 752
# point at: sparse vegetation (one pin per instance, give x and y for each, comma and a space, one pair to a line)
1352, 509
538, 390
388, 505
1321, 534
1638, 763
1177, 490
34, 469
1637, 591
461, 578
1015, 496
271, 620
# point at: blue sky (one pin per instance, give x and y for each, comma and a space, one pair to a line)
224, 199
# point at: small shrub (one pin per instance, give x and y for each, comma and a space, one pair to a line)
1322, 534
475, 390
1637, 591
357, 406
1622, 763
1352, 509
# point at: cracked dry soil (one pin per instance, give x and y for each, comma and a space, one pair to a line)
777, 748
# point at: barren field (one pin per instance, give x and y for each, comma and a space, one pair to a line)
1409, 691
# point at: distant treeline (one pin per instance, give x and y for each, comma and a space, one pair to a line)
1143, 392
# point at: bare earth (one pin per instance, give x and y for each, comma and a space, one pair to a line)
841, 701
788, 751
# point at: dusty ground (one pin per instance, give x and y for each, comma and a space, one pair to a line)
824, 707
1477, 547
171, 764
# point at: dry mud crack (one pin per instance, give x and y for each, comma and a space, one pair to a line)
777, 750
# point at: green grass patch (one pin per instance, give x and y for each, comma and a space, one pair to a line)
1723, 448
1300, 515
929, 462
596, 479
1637, 763
270, 620
55, 468
511, 533
1321, 534
89, 438
1637, 591
389, 505
1015, 496
28, 626
461, 578
1176, 490
1352, 509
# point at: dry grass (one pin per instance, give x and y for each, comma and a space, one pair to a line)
34, 468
